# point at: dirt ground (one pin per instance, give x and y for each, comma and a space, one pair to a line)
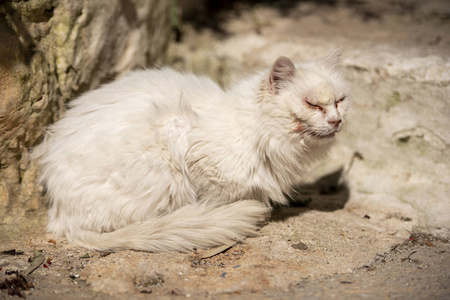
414, 269
322, 247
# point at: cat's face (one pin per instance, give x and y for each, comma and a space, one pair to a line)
319, 111
313, 97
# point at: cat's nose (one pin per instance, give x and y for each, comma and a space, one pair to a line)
335, 122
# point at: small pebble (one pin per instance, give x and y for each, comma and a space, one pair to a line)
299, 246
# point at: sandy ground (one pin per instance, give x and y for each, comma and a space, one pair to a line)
325, 246
413, 269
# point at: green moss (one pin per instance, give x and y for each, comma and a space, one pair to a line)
393, 100
174, 17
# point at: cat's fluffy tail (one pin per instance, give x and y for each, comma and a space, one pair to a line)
197, 225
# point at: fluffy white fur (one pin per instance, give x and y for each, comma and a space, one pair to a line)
161, 161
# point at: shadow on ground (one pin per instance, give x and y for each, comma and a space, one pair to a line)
329, 193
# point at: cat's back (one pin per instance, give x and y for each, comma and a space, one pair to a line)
129, 113
167, 82
144, 95
161, 87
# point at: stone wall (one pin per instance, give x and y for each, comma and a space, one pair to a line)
51, 51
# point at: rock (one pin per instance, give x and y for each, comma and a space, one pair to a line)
299, 246
50, 52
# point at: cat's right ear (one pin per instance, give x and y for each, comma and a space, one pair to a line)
333, 60
283, 70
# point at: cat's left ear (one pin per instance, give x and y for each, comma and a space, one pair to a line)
333, 60
283, 70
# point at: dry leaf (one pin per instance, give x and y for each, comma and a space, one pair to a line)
215, 251
38, 259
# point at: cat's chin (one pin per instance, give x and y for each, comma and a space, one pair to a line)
322, 136
319, 138
326, 136
322, 139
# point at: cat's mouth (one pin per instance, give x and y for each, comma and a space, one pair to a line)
305, 129
322, 135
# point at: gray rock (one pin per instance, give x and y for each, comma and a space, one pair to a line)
51, 51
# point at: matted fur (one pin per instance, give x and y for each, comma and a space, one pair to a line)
160, 160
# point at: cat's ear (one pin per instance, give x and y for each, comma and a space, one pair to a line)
333, 60
283, 70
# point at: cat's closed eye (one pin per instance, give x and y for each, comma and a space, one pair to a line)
339, 101
313, 105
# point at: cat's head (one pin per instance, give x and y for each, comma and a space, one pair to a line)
309, 100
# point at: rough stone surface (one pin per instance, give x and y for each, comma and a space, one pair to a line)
51, 51
360, 212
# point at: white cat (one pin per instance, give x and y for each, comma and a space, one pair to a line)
161, 161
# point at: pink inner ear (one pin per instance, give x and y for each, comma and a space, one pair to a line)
282, 71
271, 87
